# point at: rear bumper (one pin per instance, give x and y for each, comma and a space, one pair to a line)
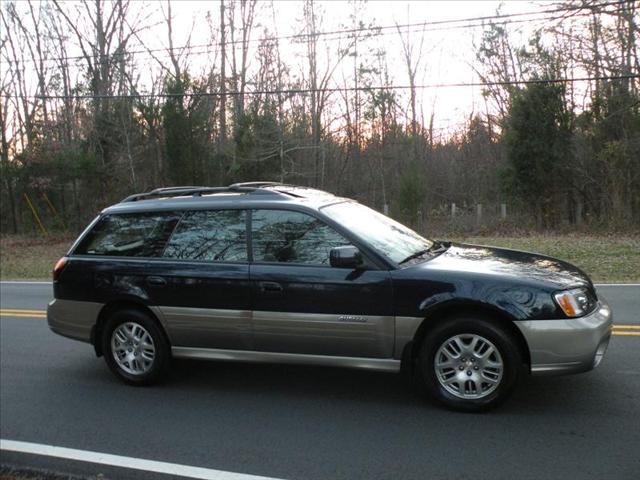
568, 345
73, 319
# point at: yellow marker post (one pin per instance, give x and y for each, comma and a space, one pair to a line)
35, 214
53, 209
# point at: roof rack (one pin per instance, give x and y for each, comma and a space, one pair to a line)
256, 184
247, 187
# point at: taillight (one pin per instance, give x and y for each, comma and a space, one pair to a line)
57, 270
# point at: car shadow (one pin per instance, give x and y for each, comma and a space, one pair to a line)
279, 380
276, 382
202, 380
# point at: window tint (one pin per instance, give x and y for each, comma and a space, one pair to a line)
293, 237
216, 235
130, 235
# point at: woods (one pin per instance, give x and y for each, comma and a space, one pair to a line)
91, 112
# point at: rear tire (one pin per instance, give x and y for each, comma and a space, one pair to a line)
135, 348
469, 364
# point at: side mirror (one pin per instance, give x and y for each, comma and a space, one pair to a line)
347, 256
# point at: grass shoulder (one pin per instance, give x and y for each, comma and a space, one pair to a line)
29, 258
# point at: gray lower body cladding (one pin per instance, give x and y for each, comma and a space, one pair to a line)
367, 336
73, 319
379, 364
556, 346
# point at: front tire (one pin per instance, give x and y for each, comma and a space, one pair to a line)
135, 347
469, 364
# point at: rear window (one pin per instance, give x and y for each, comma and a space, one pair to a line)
130, 235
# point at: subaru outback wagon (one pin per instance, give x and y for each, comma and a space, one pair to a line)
265, 272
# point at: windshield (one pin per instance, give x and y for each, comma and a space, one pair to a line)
389, 237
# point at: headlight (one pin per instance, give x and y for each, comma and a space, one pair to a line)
576, 302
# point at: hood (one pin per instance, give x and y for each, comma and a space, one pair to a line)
505, 263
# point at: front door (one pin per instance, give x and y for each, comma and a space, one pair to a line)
303, 305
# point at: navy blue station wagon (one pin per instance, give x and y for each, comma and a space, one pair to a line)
265, 272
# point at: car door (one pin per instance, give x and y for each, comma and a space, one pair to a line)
200, 284
110, 263
303, 305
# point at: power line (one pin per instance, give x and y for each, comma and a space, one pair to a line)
343, 37
116, 57
296, 91
352, 31
404, 28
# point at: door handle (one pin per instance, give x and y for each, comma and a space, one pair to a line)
156, 281
270, 287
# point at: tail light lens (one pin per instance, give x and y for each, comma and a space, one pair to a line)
57, 270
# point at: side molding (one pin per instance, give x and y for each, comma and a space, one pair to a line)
379, 364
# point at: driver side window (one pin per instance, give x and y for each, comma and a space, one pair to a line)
292, 237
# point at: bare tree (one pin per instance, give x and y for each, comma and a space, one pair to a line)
412, 56
104, 46
319, 78
223, 81
14, 54
239, 66
6, 78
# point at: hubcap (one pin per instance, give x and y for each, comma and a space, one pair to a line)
133, 348
468, 366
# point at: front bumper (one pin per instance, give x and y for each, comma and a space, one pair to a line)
571, 345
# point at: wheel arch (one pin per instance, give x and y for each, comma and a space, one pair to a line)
440, 313
116, 305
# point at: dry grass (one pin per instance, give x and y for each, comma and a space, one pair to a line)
604, 258
27, 258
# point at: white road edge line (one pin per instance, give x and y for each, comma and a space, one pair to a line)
617, 284
125, 462
27, 282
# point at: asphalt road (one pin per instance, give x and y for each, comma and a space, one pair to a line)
294, 422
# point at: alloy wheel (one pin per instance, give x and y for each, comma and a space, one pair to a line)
468, 366
133, 348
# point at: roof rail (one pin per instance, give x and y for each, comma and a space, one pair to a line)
249, 187
170, 189
255, 184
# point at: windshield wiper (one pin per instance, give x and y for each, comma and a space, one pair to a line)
435, 249
419, 253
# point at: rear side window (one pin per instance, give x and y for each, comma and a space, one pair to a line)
292, 237
214, 235
130, 235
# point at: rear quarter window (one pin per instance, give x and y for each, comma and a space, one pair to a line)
130, 235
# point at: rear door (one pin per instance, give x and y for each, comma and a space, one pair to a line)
303, 305
201, 282
110, 262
